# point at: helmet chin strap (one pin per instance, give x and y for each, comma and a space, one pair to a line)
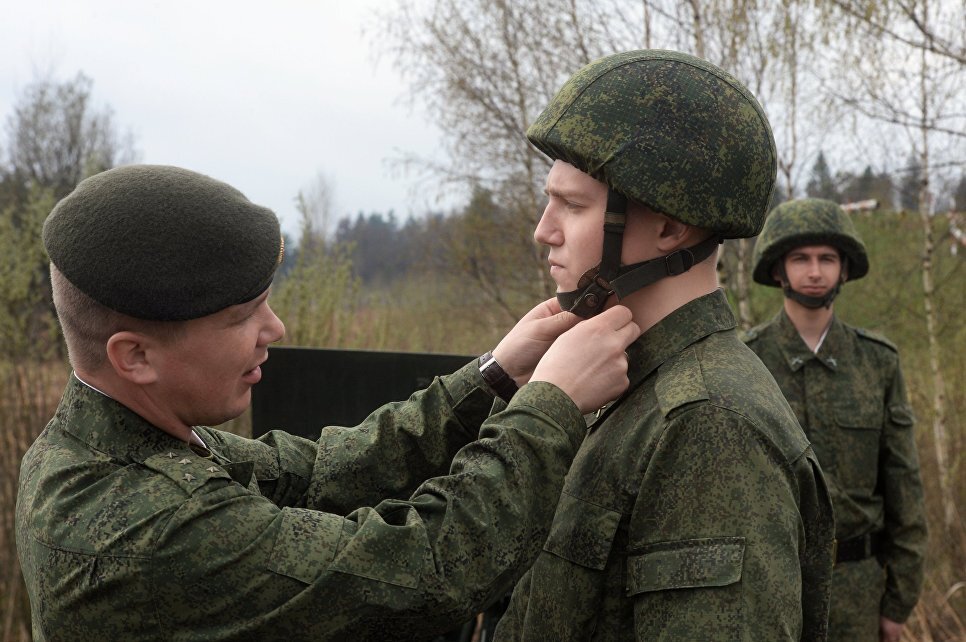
609, 277
812, 302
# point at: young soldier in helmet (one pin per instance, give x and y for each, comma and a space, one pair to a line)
846, 387
695, 508
135, 522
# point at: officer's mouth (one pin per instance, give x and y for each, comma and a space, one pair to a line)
254, 375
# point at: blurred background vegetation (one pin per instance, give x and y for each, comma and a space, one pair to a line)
867, 99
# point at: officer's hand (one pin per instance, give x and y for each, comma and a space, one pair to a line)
889, 631
522, 347
588, 362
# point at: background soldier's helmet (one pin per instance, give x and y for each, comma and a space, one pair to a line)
670, 131
807, 221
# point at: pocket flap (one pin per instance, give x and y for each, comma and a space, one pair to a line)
582, 532
686, 564
305, 544
901, 415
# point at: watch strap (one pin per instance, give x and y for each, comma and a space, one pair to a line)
496, 377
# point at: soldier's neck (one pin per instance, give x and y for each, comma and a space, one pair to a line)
811, 323
652, 303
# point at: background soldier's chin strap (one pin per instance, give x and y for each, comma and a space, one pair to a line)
598, 283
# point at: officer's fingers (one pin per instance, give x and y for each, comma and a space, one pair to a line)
629, 333
543, 310
563, 321
615, 317
551, 327
553, 305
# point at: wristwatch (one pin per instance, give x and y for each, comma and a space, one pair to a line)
496, 377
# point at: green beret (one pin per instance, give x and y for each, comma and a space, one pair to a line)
163, 243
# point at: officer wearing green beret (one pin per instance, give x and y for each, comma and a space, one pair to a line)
137, 522
695, 508
846, 387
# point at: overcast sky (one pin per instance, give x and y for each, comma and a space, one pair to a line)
262, 95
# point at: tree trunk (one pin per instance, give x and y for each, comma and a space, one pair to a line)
935, 362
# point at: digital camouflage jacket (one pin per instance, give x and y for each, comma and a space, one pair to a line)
125, 533
851, 400
694, 509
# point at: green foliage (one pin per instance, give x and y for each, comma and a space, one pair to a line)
317, 298
490, 244
28, 328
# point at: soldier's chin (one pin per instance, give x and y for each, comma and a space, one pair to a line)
564, 287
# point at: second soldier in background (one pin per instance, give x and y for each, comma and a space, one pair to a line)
847, 388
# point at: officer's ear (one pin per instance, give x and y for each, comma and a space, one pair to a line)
128, 353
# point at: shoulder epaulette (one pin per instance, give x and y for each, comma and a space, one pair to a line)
748, 336
680, 382
186, 469
878, 338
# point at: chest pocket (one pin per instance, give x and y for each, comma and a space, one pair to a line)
857, 448
582, 532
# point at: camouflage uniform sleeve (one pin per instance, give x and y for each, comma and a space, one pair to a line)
246, 569
386, 456
399, 445
717, 543
905, 521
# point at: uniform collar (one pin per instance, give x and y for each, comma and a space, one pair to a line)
797, 353
110, 427
688, 324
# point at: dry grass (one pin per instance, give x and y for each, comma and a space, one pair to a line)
29, 394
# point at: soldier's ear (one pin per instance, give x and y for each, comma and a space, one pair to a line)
128, 354
673, 234
776, 273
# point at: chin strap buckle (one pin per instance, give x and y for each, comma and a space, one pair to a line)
590, 296
679, 261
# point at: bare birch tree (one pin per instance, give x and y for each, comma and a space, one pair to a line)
57, 136
913, 24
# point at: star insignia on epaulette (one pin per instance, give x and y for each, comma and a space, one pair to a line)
184, 461
831, 361
189, 477
170, 455
212, 469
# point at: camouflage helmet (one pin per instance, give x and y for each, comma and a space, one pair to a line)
807, 221
670, 131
